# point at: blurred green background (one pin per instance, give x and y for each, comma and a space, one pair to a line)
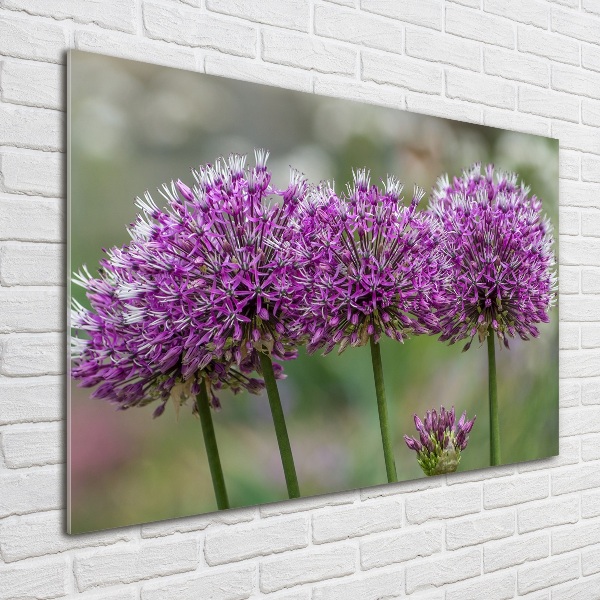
134, 126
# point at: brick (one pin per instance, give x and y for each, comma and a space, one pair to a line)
576, 137
590, 112
548, 104
441, 107
33, 172
568, 164
452, 567
189, 27
33, 490
591, 6
214, 585
302, 504
590, 335
590, 392
569, 280
48, 43
129, 564
590, 505
306, 52
31, 264
404, 487
579, 309
574, 537
32, 84
497, 587
113, 14
547, 45
33, 354
513, 491
548, 514
400, 547
427, 13
480, 529
590, 562
329, 526
443, 504
576, 25
590, 448
292, 14
575, 81
579, 421
135, 48
403, 72
547, 573
307, 567
590, 281
574, 193
516, 551
578, 590
590, 171
479, 26
122, 594
569, 393
358, 28
511, 120
198, 523
568, 336
575, 480
479, 88
579, 363
570, 248
32, 446
368, 93
250, 70
27, 127
31, 219
30, 310
373, 587
569, 221
233, 544
513, 65
42, 534
529, 13
590, 57
438, 47
31, 399
40, 579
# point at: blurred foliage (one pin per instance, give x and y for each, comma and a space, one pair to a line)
135, 126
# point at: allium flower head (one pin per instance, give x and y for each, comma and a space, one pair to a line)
134, 362
441, 440
502, 277
368, 264
202, 286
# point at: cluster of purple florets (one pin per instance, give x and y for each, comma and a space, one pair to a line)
234, 266
441, 440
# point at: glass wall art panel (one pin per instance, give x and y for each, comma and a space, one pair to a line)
276, 294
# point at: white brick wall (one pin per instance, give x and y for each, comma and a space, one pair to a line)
525, 530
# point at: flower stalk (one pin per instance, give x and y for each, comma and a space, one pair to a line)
212, 450
283, 440
493, 397
386, 438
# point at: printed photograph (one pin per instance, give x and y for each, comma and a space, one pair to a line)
275, 294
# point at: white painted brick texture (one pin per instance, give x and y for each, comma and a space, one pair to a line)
530, 530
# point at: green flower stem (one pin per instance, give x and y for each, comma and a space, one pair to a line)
283, 440
212, 451
493, 393
386, 438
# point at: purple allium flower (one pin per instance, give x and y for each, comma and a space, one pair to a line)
500, 248
136, 362
201, 288
441, 440
367, 265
